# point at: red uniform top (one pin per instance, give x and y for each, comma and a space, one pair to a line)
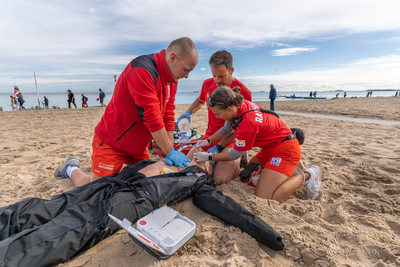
258, 129
209, 85
143, 102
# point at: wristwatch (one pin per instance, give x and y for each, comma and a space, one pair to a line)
220, 148
210, 157
209, 142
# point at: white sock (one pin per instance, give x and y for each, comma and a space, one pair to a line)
70, 169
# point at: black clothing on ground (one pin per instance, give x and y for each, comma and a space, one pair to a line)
39, 232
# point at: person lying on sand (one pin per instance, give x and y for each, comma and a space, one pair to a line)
65, 170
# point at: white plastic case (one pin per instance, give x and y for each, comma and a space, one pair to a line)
166, 228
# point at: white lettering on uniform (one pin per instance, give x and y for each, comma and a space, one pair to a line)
106, 166
259, 117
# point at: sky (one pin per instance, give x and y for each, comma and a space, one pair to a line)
296, 45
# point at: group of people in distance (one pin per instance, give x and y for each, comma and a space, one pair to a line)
313, 95
71, 99
142, 109
17, 101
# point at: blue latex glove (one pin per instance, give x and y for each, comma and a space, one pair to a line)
184, 115
177, 158
213, 150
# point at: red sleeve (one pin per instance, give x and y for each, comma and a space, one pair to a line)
143, 91
169, 117
246, 93
203, 93
244, 139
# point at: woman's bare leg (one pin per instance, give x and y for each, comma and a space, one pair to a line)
224, 171
277, 186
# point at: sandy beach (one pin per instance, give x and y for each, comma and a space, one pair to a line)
356, 222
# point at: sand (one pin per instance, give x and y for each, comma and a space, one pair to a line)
376, 108
355, 223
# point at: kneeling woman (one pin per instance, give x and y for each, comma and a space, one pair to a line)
280, 152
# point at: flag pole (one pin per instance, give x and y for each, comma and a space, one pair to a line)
37, 92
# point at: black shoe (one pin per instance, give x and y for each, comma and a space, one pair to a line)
244, 160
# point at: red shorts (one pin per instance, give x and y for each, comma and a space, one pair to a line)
205, 148
107, 160
283, 158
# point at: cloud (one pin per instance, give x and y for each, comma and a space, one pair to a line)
97, 24
99, 36
256, 22
374, 72
292, 51
278, 44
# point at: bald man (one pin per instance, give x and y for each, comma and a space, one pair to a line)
141, 109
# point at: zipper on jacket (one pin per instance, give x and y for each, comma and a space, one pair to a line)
127, 130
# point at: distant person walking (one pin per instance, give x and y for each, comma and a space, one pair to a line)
71, 98
21, 100
46, 102
13, 103
344, 95
310, 94
84, 101
272, 97
102, 95
17, 105
315, 94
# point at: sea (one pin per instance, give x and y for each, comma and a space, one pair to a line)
59, 100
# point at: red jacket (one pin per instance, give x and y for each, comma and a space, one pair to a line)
209, 86
142, 102
258, 129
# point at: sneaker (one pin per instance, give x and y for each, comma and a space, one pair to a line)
61, 172
313, 185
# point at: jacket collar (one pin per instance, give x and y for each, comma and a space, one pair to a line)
162, 67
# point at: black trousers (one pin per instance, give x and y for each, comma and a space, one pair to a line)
69, 103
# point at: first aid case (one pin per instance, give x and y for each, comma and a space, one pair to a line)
167, 228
